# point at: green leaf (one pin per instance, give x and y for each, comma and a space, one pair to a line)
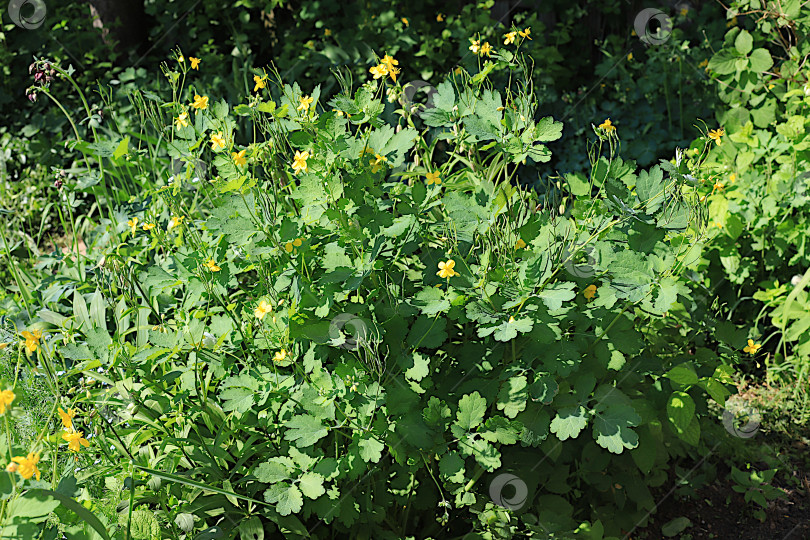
761, 60
451, 467
651, 189
371, 450
611, 427
272, 471
286, 497
304, 430
682, 374
681, 410
554, 295
427, 333
744, 42
548, 130
544, 388
471, 410
723, 63
568, 422
122, 148
311, 485
513, 395
68, 502
250, 529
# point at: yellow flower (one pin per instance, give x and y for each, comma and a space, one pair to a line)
305, 102
405, 21
212, 265
261, 82
75, 440
175, 221
589, 292
280, 356
719, 186
327, 32
732, 177
182, 120
525, 33
181, 59
389, 61
3, 346
608, 126
439, 17
378, 71
433, 178
704, 63
377, 165
297, 242
486, 49
509, 38
288, 247
684, 12
300, 161
630, 56
217, 141
133, 223
239, 158
6, 397
32, 340
67, 417
446, 269
263, 309
476, 45
520, 244
200, 102
390, 67
195, 63
27, 466
752, 347
148, 226
716, 134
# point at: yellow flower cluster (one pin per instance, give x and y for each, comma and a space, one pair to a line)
387, 66
607, 126
477, 48
75, 439
288, 247
32, 340
511, 37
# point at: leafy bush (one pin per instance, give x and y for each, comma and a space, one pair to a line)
494, 342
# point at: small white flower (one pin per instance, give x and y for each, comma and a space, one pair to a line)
795, 280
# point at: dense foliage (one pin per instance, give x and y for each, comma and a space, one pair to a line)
247, 300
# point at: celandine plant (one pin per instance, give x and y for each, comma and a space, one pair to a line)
340, 320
